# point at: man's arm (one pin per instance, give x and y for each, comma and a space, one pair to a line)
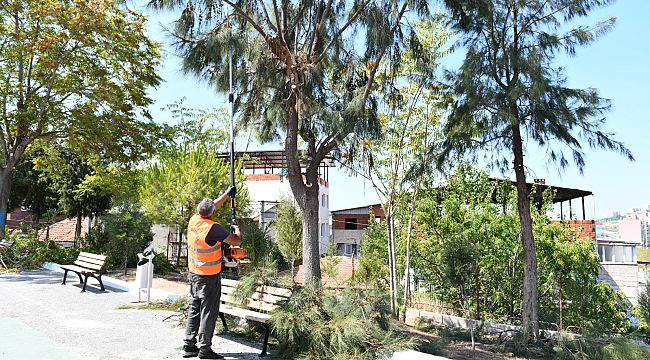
218, 233
218, 202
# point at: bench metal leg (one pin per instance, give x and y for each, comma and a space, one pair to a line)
101, 284
85, 282
223, 321
266, 340
65, 274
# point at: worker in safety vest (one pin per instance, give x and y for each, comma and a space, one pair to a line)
204, 258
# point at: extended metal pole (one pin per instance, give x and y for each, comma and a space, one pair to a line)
231, 100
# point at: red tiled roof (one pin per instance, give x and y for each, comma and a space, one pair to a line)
63, 231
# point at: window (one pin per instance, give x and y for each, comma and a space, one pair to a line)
620, 254
323, 200
350, 224
323, 229
350, 249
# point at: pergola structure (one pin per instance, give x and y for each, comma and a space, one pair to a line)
270, 161
562, 195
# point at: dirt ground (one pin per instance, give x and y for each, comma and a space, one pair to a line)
172, 282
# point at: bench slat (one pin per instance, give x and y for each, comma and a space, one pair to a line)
76, 268
93, 256
268, 298
91, 261
253, 304
88, 266
243, 313
263, 289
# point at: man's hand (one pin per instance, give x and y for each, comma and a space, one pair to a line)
231, 191
235, 230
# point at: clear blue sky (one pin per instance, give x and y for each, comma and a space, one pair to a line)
617, 65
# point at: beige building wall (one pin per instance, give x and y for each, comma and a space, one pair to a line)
622, 277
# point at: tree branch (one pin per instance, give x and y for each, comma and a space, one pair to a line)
338, 33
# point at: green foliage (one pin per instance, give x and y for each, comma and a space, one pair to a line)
586, 348
172, 186
643, 254
120, 235
288, 229
510, 89
28, 253
261, 275
76, 73
373, 261
257, 241
351, 324
32, 189
179, 305
467, 250
643, 309
161, 264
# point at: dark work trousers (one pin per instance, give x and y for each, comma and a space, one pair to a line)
205, 291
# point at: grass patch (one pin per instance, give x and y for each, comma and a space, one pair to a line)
178, 305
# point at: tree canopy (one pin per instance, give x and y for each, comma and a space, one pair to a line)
75, 71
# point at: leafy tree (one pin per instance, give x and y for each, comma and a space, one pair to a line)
172, 186
81, 191
288, 229
400, 160
350, 324
32, 189
74, 71
299, 73
121, 234
644, 308
258, 244
509, 91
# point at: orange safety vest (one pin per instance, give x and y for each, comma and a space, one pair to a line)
202, 259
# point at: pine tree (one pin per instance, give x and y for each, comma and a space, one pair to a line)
509, 93
300, 72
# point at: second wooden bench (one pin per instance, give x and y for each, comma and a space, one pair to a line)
256, 307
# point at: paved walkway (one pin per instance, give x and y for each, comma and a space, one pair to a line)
42, 319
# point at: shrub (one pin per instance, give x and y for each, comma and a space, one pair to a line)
120, 235
352, 323
29, 253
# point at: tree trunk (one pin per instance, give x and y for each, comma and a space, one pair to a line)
305, 192
530, 321
407, 271
559, 284
392, 275
5, 190
77, 230
310, 235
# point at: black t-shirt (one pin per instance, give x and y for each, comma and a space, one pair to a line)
216, 234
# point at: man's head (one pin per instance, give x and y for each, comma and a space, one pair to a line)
206, 208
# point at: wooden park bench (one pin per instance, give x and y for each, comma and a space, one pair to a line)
87, 264
256, 308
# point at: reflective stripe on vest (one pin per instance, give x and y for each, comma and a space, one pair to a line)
202, 259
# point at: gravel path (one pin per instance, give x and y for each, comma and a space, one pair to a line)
41, 319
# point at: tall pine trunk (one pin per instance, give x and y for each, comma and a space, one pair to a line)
305, 192
530, 320
5, 189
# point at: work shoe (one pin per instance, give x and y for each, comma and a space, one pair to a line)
190, 351
208, 354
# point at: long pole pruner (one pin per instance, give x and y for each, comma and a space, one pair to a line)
231, 100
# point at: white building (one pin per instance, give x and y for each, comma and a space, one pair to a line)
267, 184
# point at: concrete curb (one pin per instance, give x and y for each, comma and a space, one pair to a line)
121, 285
